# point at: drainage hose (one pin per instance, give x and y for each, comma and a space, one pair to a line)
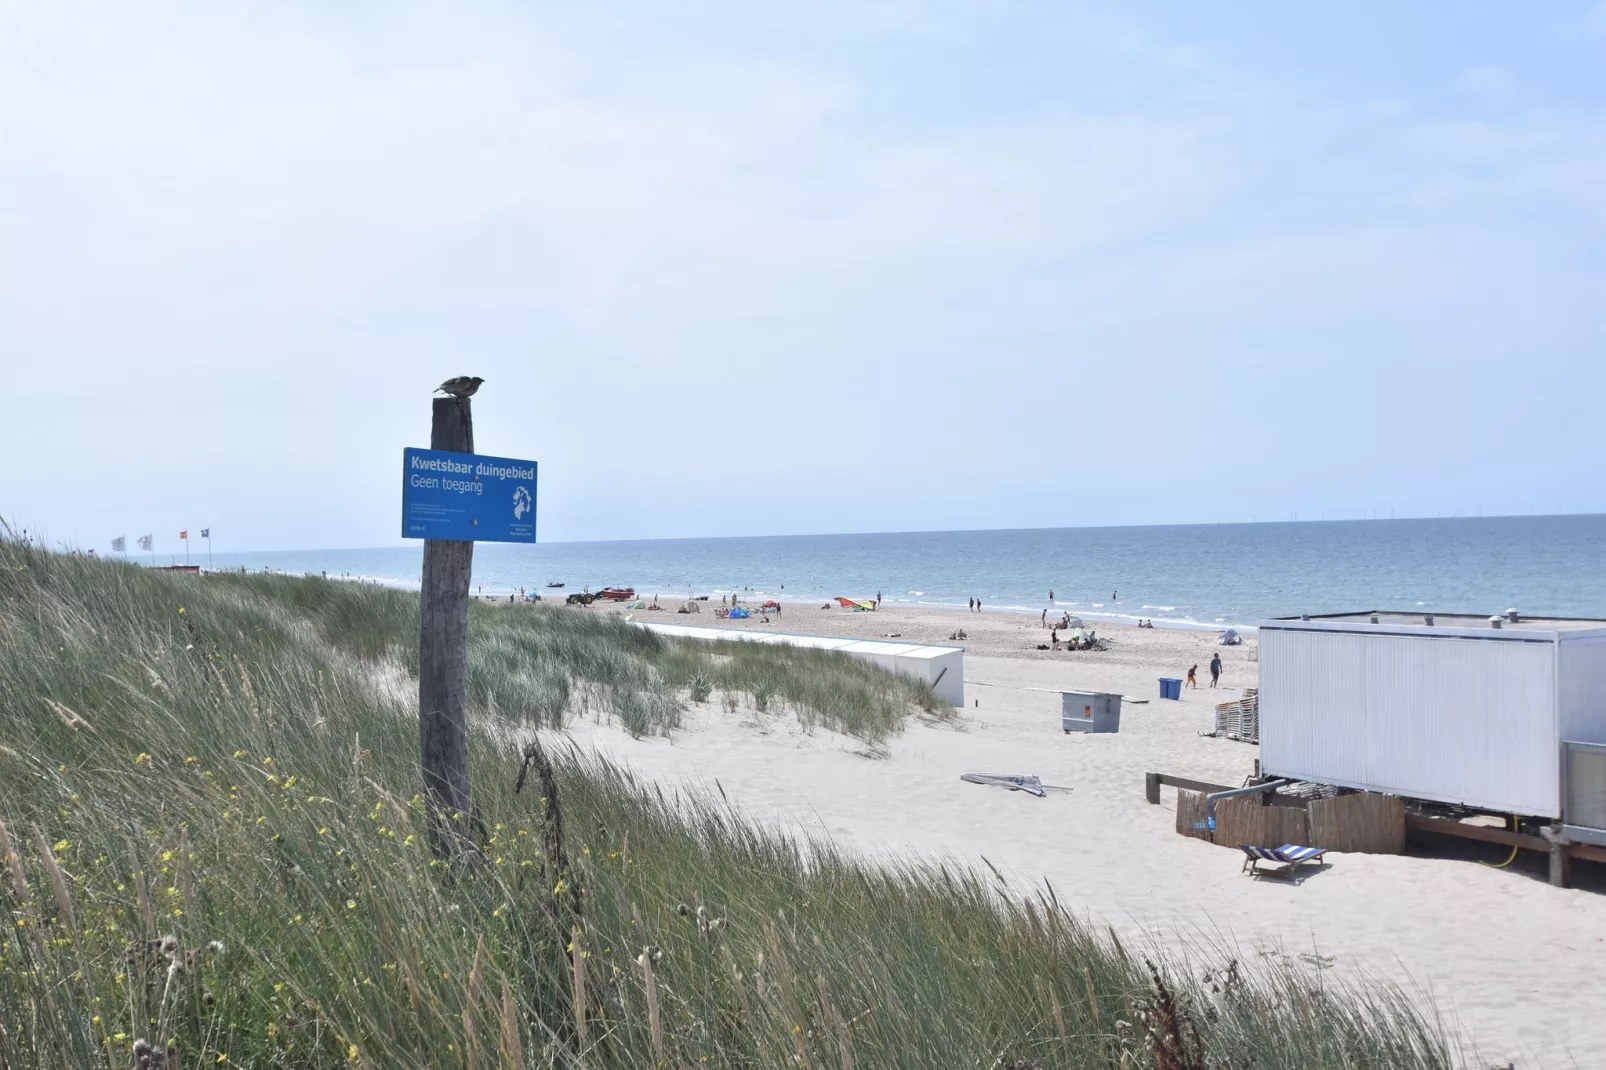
1514, 849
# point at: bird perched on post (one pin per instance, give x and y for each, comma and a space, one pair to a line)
460, 386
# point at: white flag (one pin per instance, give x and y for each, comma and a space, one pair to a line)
119, 543
144, 542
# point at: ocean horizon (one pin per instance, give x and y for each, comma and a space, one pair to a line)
1188, 575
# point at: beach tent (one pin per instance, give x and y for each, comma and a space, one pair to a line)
739, 614
1230, 637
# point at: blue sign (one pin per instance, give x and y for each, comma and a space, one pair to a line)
467, 497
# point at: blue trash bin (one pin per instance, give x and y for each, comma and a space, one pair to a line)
1170, 687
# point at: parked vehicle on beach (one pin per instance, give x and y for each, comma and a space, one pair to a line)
607, 594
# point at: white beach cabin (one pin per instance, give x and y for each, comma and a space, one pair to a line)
1505, 714
943, 667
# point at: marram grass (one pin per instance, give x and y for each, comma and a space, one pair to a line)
214, 856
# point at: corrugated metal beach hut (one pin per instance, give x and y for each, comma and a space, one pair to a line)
1450, 708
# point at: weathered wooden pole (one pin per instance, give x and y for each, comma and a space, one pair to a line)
443, 653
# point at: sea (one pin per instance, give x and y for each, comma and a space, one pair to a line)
1195, 575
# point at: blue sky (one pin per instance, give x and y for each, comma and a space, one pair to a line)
732, 270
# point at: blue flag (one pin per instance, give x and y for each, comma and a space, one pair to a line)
206, 533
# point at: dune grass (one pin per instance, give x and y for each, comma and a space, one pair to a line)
213, 847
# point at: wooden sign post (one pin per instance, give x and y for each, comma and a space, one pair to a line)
452, 498
443, 653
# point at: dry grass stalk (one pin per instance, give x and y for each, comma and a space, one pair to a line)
473, 996
844, 1037
554, 847
156, 680
13, 864
58, 883
783, 975
222, 681
247, 690
411, 982
736, 982
145, 912
512, 1046
186, 872
655, 1028
68, 717
471, 1040
1172, 1035
577, 954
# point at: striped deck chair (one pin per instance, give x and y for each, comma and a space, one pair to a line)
1291, 856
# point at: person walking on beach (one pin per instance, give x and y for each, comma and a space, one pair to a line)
978, 605
1045, 618
970, 605
1193, 677
1215, 669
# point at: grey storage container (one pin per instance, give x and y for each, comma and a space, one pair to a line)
1090, 711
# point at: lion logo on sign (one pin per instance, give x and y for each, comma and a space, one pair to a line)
521, 502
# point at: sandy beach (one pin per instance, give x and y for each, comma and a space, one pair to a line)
1510, 962
1001, 633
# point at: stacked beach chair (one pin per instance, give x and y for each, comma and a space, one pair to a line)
1240, 720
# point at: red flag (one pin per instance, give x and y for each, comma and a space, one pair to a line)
184, 534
